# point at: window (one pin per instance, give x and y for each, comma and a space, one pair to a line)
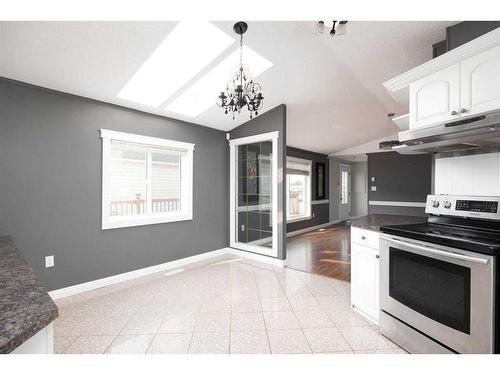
298, 184
145, 180
344, 191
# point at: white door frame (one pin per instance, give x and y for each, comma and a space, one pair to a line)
340, 192
273, 137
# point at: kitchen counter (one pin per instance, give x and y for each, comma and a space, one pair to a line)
25, 306
375, 221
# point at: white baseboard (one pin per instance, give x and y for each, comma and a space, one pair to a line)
257, 257
99, 283
367, 317
310, 229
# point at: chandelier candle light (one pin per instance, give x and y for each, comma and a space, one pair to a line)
241, 91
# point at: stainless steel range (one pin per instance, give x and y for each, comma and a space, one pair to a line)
439, 289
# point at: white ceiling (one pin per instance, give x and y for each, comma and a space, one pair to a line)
332, 86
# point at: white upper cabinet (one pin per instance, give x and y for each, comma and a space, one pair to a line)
458, 84
480, 83
435, 98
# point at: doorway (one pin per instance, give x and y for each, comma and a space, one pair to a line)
253, 193
345, 192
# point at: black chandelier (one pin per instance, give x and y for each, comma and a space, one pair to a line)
241, 92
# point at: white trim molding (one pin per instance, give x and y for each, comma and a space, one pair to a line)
257, 257
397, 204
122, 277
233, 155
456, 55
254, 138
185, 150
142, 139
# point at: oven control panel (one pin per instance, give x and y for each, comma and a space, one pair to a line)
463, 206
477, 206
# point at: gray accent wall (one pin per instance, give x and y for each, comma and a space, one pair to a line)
400, 178
320, 212
50, 186
270, 121
359, 189
334, 187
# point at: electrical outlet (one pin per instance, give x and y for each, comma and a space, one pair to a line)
373, 179
374, 188
314, 215
49, 261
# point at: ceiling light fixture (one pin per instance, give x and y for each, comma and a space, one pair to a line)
199, 96
336, 27
242, 91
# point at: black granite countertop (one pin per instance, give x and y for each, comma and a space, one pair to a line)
375, 221
25, 306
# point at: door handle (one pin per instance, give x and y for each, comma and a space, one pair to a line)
448, 254
377, 256
454, 113
464, 110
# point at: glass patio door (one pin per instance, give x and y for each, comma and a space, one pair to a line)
253, 190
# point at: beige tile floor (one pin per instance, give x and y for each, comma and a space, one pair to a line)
227, 305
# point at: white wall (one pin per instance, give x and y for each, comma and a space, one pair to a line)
468, 175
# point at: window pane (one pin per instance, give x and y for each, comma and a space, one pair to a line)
345, 187
254, 190
297, 185
127, 180
166, 181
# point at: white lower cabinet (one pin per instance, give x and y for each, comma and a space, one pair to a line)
40, 343
365, 278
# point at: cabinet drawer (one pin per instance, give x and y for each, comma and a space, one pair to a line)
365, 237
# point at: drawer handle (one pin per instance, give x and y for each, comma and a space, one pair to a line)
463, 110
363, 237
454, 113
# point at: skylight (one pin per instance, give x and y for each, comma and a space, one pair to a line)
202, 94
182, 54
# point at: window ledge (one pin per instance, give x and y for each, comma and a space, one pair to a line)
297, 219
135, 222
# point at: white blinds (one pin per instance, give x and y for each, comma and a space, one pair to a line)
298, 167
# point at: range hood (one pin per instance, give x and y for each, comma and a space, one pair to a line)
464, 134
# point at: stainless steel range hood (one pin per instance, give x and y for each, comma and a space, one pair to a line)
464, 134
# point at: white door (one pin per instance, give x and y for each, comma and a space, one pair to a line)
345, 192
435, 98
253, 193
365, 280
480, 82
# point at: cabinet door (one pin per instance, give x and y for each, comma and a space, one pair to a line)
480, 82
435, 98
365, 280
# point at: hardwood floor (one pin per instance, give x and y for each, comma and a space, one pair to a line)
326, 251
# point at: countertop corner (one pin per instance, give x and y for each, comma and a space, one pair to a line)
25, 305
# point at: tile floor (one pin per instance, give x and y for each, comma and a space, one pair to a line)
230, 305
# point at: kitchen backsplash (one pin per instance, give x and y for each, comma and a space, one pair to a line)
468, 175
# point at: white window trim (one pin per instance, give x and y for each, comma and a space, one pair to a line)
109, 222
271, 136
308, 214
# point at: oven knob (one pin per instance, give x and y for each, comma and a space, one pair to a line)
435, 204
447, 204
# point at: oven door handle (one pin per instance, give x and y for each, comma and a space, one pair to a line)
441, 252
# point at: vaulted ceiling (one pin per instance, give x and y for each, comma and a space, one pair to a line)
332, 86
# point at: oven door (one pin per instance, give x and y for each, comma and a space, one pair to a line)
445, 293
